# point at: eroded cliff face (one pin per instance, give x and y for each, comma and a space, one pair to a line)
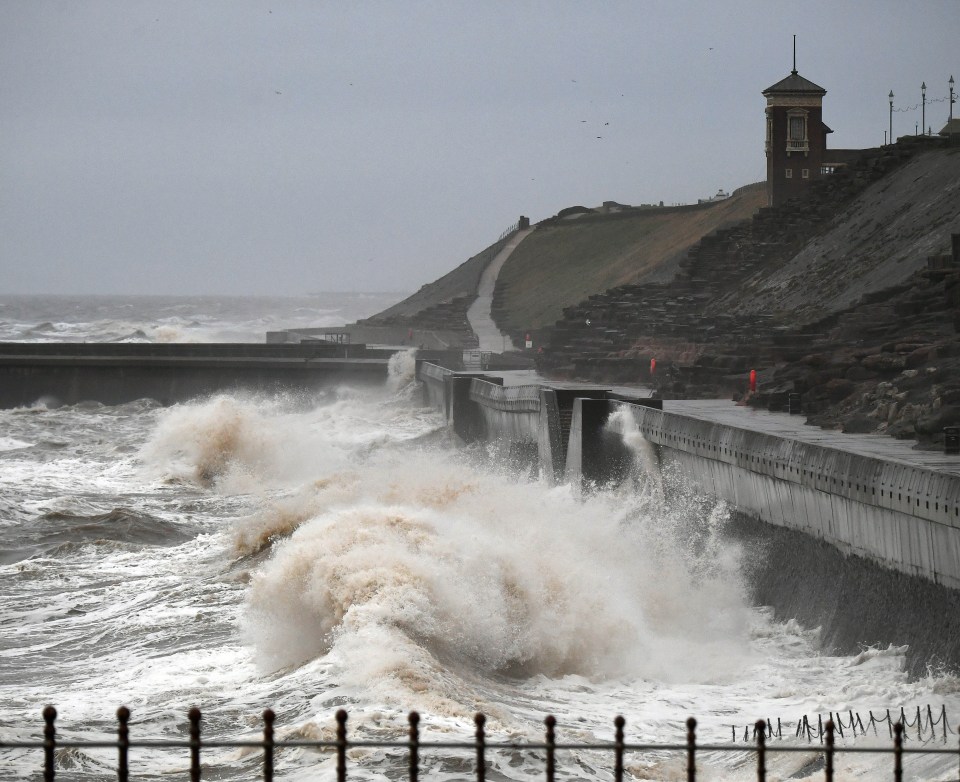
876, 242
889, 363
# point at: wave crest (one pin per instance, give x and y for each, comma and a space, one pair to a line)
441, 574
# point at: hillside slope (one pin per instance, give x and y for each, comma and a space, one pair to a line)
566, 260
461, 283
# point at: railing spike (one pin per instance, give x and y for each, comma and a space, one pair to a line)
341, 745
828, 756
898, 752
268, 720
618, 723
761, 730
194, 716
480, 721
691, 749
49, 743
550, 722
123, 744
414, 719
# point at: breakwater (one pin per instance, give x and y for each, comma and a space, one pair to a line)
114, 373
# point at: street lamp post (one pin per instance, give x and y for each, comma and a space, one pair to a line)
923, 111
951, 97
891, 116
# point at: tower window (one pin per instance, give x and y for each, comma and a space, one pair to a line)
805, 173
789, 173
798, 128
797, 140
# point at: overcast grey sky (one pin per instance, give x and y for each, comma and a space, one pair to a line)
275, 146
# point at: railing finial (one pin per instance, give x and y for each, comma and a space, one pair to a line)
480, 720
49, 743
341, 717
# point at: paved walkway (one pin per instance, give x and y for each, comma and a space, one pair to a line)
793, 427
879, 446
478, 315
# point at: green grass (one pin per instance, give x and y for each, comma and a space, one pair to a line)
560, 265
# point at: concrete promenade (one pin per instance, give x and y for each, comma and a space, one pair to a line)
728, 413
877, 446
490, 337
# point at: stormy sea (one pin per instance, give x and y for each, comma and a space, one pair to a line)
312, 552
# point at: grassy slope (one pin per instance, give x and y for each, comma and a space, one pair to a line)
558, 266
462, 281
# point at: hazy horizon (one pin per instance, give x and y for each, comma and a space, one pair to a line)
234, 147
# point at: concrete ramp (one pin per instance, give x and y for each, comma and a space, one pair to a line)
490, 337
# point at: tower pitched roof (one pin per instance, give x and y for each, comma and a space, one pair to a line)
795, 84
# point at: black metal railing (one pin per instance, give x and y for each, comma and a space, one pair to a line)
509, 230
480, 746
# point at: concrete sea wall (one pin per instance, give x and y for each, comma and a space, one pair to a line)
114, 373
902, 516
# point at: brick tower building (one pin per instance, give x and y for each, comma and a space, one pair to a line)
796, 136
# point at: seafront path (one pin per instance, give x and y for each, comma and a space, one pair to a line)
878, 446
490, 337
725, 412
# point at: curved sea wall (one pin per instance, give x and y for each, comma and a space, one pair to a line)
902, 515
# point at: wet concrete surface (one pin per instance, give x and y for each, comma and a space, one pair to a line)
878, 446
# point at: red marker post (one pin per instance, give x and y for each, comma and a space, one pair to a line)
753, 380
653, 367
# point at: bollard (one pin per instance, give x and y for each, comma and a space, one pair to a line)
951, 439
753, 381
793, 404
653, 367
